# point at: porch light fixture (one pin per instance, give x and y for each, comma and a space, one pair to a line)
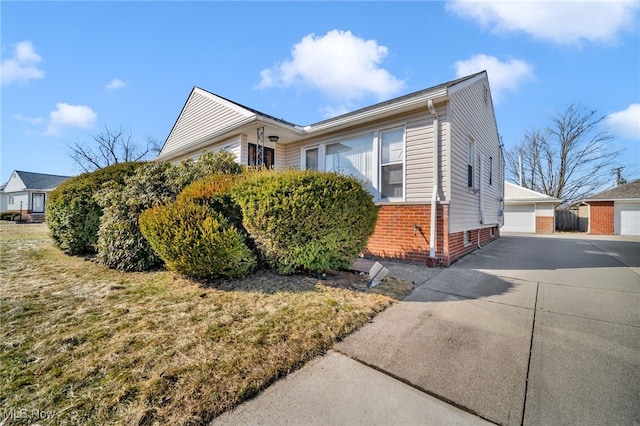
273, 138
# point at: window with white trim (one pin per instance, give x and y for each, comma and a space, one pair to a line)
471, 158
392, 163
311, 156
490, 170
11, 200
375, 158
466, 238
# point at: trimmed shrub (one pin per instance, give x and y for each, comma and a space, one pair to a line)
121, 245
73, 215
306, 221
214, 191
196, 241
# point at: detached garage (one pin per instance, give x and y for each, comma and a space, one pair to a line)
615, 211
528, 211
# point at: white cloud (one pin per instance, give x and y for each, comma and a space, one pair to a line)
341, 65
22, 66
31, 120
562, 22
626, 123
331, 111
503, 76
66, 116
115, 84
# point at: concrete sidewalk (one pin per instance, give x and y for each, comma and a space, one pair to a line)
336, 390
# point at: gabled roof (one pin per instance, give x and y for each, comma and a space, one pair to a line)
627, 191
40, 180
420, 93
517, 194
207, 118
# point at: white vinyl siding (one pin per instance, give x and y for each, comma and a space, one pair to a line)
232, 145
203, 115
545, 210
471, 116
20, 197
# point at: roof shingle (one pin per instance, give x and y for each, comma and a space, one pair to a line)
40, 180
626, 191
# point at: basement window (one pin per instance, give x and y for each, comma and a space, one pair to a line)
466, 238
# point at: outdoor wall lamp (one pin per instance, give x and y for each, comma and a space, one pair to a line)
274, 139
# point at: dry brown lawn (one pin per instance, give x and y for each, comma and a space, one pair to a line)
82, 344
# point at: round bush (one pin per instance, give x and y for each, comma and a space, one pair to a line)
306, 221
73, 214
214, 191
196, 241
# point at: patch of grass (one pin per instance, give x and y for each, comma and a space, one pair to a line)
93, 346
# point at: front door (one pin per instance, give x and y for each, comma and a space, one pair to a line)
38, 203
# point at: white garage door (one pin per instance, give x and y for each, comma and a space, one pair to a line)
627, 218
519, 218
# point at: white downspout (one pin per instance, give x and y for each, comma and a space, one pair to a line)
481, 189
434, 194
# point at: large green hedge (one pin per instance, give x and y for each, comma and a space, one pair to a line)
305, 221
121, 245
73, 214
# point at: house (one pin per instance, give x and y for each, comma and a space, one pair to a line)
431, 159
3, 199
526, 210
26, 193
615, 211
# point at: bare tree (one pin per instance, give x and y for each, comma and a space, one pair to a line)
568, 160
111, 147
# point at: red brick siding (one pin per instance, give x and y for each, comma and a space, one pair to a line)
601, 218
544, 225
457, 248
394, 236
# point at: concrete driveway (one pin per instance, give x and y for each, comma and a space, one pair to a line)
528, 330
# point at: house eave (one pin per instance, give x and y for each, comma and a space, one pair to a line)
631, 200
243, 126
383, 111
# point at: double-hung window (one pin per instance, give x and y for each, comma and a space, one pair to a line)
392, 163
375, 158
471, 158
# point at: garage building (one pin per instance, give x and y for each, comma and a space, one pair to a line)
526, 210
615, 211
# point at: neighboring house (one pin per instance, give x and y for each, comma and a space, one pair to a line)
3, 199
431, 159
526, 210
27, 193
615, 211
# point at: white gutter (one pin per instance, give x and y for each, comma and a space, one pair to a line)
369, 113
434, 193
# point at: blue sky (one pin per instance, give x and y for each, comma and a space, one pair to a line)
71, 68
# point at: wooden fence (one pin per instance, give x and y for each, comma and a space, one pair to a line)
574, 219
